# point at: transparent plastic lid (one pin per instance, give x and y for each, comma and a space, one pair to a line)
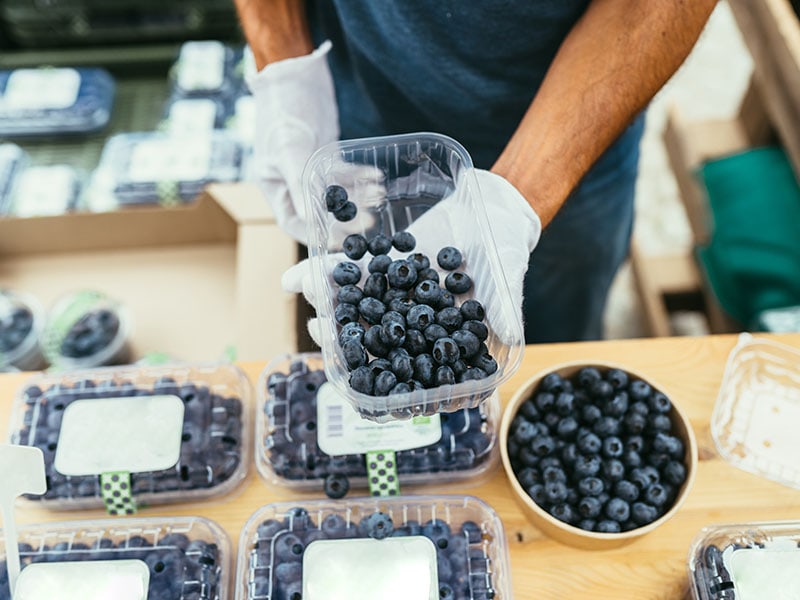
414, 548
51, 101
746, 561
87, 329
393, 182
21, 324
141, 559
13, 161
203, 68
170, 434
754, 418
45, 191
307, 432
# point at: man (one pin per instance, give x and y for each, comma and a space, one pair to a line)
546, 94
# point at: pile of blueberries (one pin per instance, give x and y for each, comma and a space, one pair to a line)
90, 334
402, 330
211, 447
598, 451
14, 328
180, 568
462, 563
293, 452
712, 577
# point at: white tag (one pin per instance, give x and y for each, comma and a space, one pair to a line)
760, 573
175, 159
44, 191
341, 430
192, 115
137, 435
87, 580
201, 66
401, 568
771, 434
36, 89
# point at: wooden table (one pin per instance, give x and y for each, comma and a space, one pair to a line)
688, 369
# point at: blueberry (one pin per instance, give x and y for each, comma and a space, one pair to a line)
618, 510
644, 476
450, 319
419, 261
659, 423
373, 341
668, 444
401, 305
354, 354
553, 383
346, 213
617, 406
479, 329
612, 447
401, 274
587, 376
427, 292
424, 369
617, 378
429, 274
435, 332
589, 507
587, 524
607, 426
555, 492
564, 512
459, 368
569, 454
553, 473
445, 351
445, 300
384, 382
420, 317
565, 404
635, 423
393, 333
591, 486
601, 390
608, 526
362, 380
631, 459
355, 246
659, 403
590, 414
403, 241
643, 513
542, 445
458, 283
379, 264
567, 428
375, 286
589, 443
528, 477
467, 342
371, 310
545, 401
346, 273
335, 197
655, 494
336, 485
639, 390
674, 473
449, 258
415, 342
471, 374
613, 470
586, 466
446, 592
394, 294
379, 244
288, 548
529, 411
537, 493
402, 367
444, 376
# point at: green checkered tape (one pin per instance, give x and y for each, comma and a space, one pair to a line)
57, 329
168, 193
382, 473
115, 489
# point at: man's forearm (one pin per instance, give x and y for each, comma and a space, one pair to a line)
618, 55
275, 29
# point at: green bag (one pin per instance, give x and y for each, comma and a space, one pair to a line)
753, 259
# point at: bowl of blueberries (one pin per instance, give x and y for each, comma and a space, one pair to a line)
413, 322
596, 454
21, 322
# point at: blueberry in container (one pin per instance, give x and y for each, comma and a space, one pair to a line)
448, 547
87, 329
21, 324
746, 561
44, 191
156, 559
13, 161
309, 436
415, 172
204, 68
50, 102
170, 433
153, 167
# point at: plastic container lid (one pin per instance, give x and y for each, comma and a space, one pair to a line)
306, 431
13, 160
172, 433
176, 558
758, 407
417, 171
416, 548
21, 324
87, 329
45, 191
153, 167
48, 101
746, 561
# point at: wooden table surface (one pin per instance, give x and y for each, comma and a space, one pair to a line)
688, 369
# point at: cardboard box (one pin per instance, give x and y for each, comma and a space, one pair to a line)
196, 278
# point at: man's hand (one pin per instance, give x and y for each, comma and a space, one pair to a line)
274, 29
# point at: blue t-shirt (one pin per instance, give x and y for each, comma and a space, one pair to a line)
468, 69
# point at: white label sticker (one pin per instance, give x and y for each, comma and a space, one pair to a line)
176, 159
192, 116
137, 435
45, 191
87, 580
201, 66
36, 89
343, 431
401, 568
760, 573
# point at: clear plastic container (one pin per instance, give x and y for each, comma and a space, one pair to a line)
186, 436
184, 557
758, 407
21, 324
746, 561
48, 101
417, 171
453, 446
13, 161
45, 191
436, 547
87, 329
152, 167
204, 68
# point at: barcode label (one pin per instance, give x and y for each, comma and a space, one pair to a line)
335, 421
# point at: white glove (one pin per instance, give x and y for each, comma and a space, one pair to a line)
515, 228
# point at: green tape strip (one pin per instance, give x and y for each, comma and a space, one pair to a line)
115, 489
168, 193
80, 303
382, 473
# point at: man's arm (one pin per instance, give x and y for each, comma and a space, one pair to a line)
618, 55
275, 29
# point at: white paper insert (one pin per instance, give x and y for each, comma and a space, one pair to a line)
772, 432
201, 66
36, 89
341, 430
137, 435
760, 573
192, 115
172, 159
45, 191
401, 568
87, 580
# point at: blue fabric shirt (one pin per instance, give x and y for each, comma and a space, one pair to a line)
468, 69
